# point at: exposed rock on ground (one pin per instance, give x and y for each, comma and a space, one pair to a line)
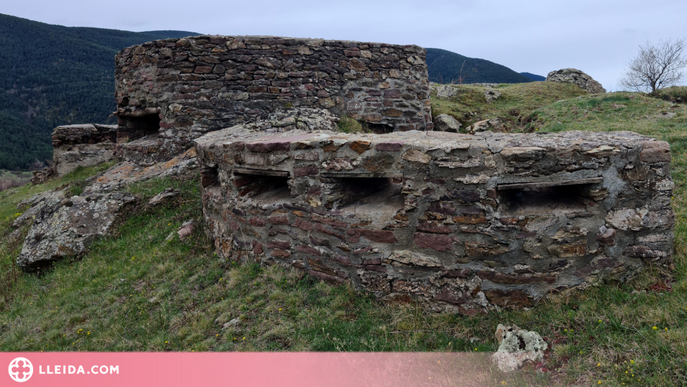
163, 197
445, 91
494, 124
576, 77
66, 229
42, 175
491, 95
446, 123
516, 347
64, 226
184, 231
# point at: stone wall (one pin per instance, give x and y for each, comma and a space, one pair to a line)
456, 222
180, 89
82, 145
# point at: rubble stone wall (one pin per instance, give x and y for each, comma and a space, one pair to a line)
456, 222
183, 88
82, 145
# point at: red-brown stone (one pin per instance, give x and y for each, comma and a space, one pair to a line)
433, 241
433, 228
203, 70
257, 248
279, 245
326, 277
308, 170
360, 146
453, 297
382, 236
508, 297
303, 224
268, 146
502, 278
441, 208
280, 253
278, 220
321, 228
470, 219
308, 250
256, 222
389, 146
484, 249
458, 273
329, 221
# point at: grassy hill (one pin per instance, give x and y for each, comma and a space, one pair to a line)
136, 292
515, 107
53, 75
449, 67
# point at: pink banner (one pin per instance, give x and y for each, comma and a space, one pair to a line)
248, 369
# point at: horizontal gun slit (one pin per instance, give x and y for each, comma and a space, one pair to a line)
261, 172
545, 184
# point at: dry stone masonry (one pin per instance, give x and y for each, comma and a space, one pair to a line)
457, 222
461, 223
172, 91
82, 145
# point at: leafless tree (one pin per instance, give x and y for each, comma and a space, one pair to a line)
655, 67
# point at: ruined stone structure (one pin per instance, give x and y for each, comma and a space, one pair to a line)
172, 91
82, 145
457, 222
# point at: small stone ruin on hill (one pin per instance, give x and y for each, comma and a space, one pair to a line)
457, 222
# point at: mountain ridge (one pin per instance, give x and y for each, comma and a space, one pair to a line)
53, 75
448, 67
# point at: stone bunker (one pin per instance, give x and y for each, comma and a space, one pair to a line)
457, 222
169, 92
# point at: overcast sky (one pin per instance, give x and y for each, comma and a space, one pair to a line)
598, 37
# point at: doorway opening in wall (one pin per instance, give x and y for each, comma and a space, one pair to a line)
137, 127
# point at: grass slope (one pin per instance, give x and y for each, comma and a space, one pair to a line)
136, 292
515, 107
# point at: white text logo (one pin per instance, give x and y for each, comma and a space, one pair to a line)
20, 369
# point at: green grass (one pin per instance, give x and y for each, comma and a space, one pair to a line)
677, 94
349, 125
514, 107
612, 112
137, 292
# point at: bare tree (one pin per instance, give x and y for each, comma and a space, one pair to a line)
655, 67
